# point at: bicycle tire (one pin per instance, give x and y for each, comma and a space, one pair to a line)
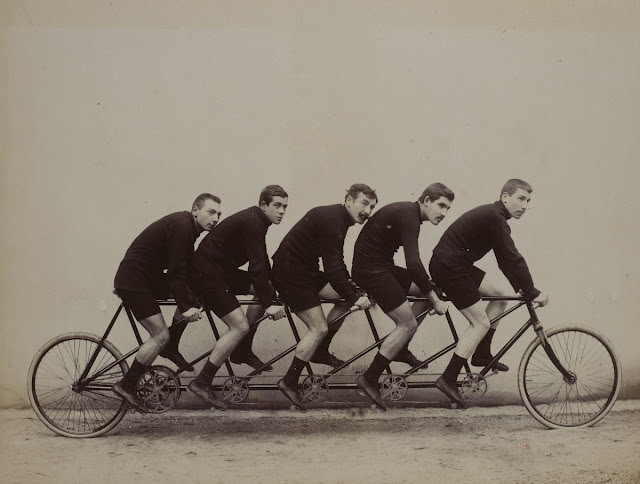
54, 396
557, 403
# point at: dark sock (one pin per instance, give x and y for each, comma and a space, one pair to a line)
131, 378
376, 368
244, 348
484, 348
294, 372
404, 350
452, 371
205, 377
323, 347
175, 333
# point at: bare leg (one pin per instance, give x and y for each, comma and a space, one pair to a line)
315, 321
126, 388
238, 328
159, 332
482, 354
321, 354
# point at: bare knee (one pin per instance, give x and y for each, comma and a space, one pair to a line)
162, 337
410, 326
320, 331
243, 328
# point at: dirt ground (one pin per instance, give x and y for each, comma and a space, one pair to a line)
479, 445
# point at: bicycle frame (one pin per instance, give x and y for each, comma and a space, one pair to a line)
85, 380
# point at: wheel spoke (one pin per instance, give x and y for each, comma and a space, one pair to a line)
584, 399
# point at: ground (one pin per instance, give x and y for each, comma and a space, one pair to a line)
404, 445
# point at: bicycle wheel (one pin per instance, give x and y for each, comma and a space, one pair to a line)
587, 397
70, 407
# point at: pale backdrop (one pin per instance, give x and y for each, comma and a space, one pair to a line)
117, 113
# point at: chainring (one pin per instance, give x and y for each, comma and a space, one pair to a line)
235, 389
158, 388
394, 387
473, 386
315, 388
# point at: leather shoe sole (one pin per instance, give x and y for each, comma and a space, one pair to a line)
484, 362
131, 399
450, 391
207, 395
253, 361
329, 360
177, 359
372, 392
292, 395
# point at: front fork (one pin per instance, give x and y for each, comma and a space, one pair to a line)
568, 376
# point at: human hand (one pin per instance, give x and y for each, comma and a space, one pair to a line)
191, 314
275, 312
439, 306
541, 300
362, 302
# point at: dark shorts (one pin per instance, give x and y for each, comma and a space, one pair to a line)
299, 290
388, 288
142, 304
460, 285
218, 289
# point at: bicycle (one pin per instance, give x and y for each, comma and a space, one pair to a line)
568, 377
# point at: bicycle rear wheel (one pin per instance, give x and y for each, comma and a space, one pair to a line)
582, 400
66, 405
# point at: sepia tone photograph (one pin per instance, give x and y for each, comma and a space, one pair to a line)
319, 242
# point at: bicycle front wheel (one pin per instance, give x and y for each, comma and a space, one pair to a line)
579, 401
66, 405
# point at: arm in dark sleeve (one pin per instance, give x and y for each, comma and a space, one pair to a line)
259, 267
331, 248
180, 246
409, 237
510, 262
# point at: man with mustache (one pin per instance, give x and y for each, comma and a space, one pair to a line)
296, 273
395, 225
467, 240
216, 277
166, 245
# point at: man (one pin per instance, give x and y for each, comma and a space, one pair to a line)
237, 240
297, 277
397, 225
166, 244
467, 240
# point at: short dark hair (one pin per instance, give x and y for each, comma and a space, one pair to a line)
357, 188
513, 184
435, 191
270, 191
203, 197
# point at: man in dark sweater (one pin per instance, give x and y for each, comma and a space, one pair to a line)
166, 244
318, 235
467, 240
395, 225
216, 277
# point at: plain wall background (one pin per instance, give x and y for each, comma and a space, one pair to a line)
117, 113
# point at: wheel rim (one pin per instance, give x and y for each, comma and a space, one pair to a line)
590, 391
67, 405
